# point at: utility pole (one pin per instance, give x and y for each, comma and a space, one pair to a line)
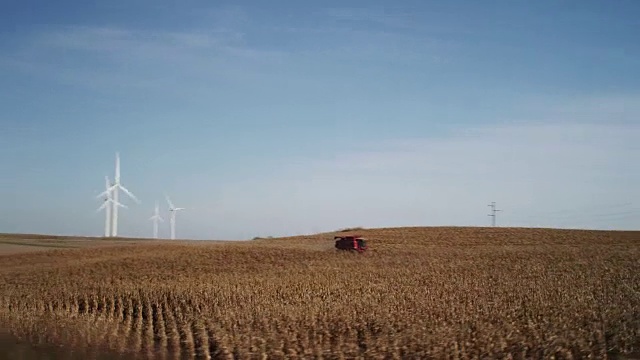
493, 213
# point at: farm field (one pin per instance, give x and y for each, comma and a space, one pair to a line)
418, 293
24, 243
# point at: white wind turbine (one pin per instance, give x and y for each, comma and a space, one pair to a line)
156, 217
106, 205
118, 186
173, 211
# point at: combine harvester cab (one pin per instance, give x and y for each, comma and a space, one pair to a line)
351, 243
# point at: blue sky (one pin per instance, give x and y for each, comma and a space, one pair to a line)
284, 118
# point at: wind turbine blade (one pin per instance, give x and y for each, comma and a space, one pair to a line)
104, 205
103, 194
118, 204
179, 209
106, 192
117, 177
169, 202
128, 193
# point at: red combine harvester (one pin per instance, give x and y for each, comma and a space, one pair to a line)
351, 242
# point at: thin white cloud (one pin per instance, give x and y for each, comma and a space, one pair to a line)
601, 109
123, 41
528, 169
220, 45
389, 18
111, 58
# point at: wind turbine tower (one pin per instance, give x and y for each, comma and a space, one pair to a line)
156, 217
106, 205
118, 186
173, 211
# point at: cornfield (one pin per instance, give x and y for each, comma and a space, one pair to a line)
441, 293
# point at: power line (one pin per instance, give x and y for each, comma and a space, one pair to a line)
581, 217
493, 213
604, 218
579, 212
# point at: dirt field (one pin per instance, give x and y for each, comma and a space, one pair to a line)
420, 293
